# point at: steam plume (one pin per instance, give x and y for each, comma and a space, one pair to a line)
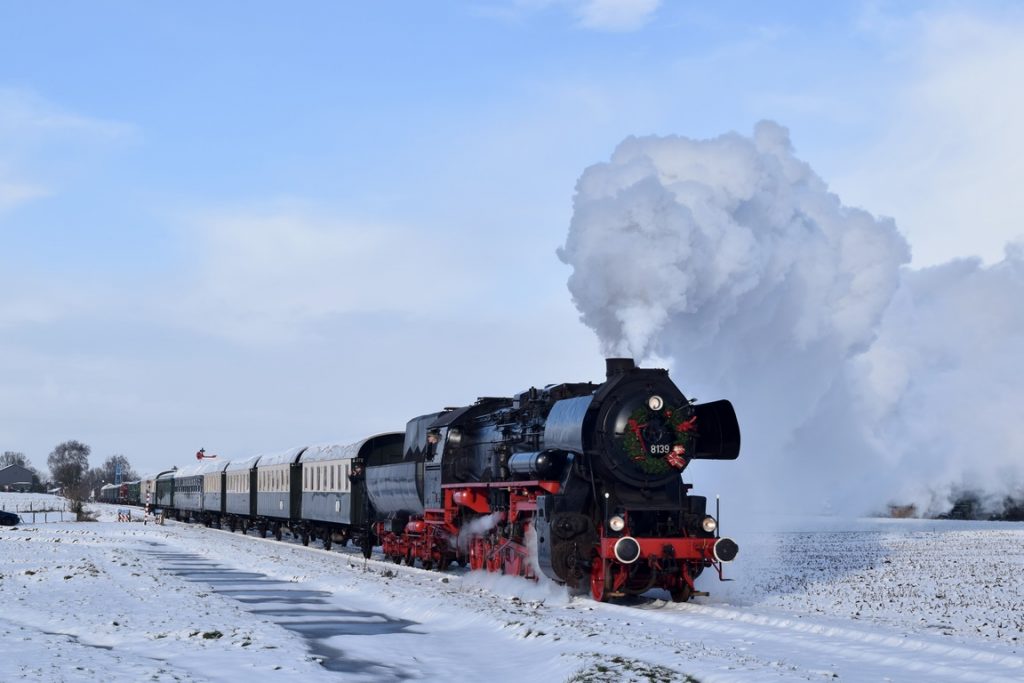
731, 261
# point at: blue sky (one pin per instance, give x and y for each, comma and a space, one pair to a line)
246, 226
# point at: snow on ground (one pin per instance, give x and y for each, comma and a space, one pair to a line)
36, 507
859, 601
22, 502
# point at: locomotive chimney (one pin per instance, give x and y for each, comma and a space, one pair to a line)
618, 366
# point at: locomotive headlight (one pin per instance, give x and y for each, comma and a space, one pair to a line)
709, 524
617, 523
655, 403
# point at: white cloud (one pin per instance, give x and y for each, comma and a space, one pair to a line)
27, 117
948, 164
271, 273
597, 15
615, 15
34, 131
14, 193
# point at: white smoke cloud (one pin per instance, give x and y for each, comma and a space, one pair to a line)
731, 260
941, 388
616, 15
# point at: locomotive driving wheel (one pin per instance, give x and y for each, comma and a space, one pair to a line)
600, 579
476, 554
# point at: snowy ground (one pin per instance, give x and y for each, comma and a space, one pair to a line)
34, 507
859, 601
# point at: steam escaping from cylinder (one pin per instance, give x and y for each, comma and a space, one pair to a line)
858, 381
477, 527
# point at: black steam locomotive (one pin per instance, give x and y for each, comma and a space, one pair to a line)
589, 474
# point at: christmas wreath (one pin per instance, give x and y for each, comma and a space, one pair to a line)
681, 420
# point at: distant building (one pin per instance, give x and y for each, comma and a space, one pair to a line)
15, 478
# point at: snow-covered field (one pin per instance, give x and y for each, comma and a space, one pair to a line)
860, 601
37, 508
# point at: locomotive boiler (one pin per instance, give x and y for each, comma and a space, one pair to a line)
580, 481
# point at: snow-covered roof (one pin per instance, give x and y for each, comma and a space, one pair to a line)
210, 466
190, 471
282, 457
237, 465
331, 451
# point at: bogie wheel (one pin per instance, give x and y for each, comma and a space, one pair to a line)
428, 564
681, 594
600, 579
397, 559
278, 533
305, 538
327, 542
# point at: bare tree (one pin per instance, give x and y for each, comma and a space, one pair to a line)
109, 468
14, 458
93, 480
68, 463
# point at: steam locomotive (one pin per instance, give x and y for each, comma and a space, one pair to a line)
579, 482
590, 474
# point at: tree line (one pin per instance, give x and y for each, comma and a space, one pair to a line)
69, 470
